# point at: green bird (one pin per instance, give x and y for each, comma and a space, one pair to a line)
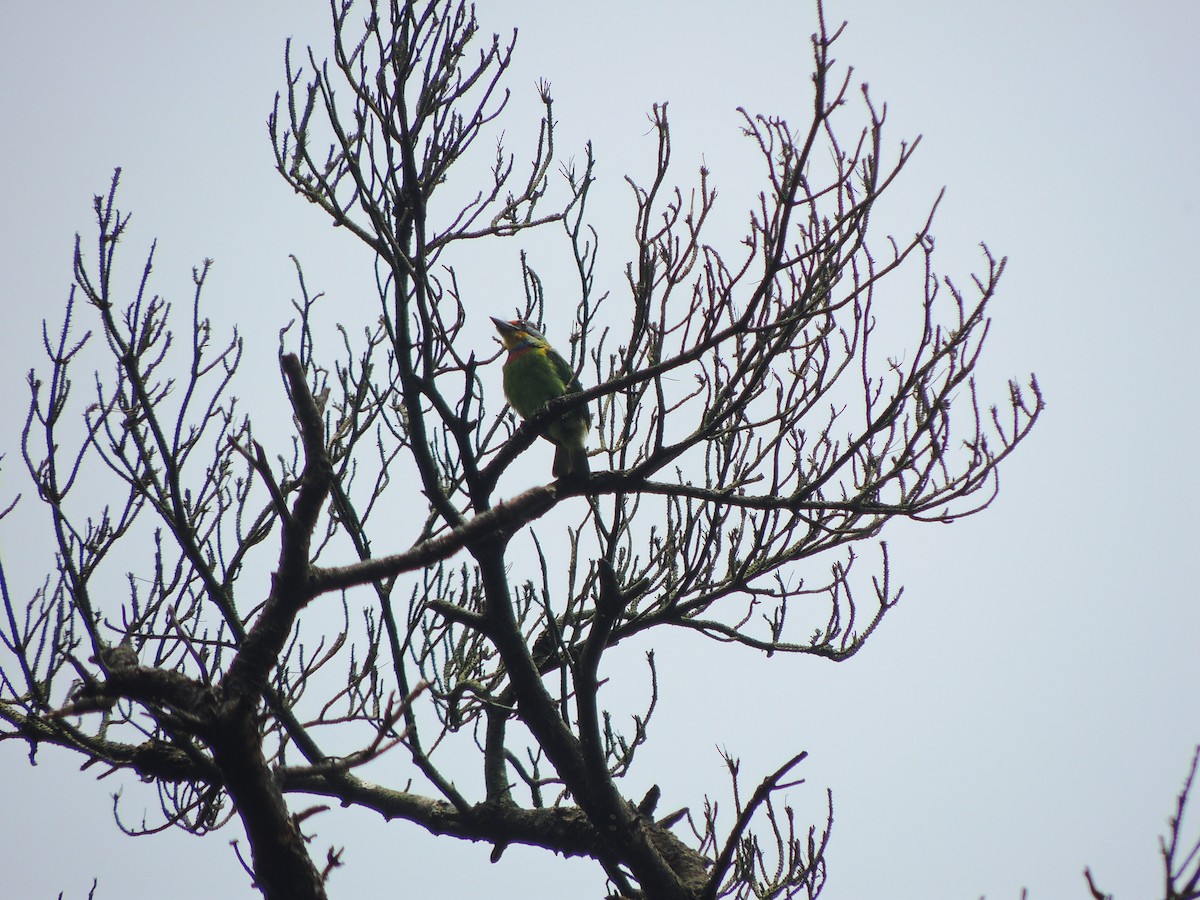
534, 374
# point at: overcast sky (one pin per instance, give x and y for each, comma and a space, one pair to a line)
1032, 705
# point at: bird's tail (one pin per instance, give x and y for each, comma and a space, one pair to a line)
571, 462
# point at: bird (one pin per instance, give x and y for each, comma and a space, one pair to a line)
534, 374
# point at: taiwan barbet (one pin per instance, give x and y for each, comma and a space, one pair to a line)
534, 374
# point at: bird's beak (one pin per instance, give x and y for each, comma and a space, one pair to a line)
508, 332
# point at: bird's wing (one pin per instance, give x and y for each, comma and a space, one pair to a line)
564, 371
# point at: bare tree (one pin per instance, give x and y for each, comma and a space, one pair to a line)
750, 418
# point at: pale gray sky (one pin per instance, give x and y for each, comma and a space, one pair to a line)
1032, 705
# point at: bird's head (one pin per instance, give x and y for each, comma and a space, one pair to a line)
519, 334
